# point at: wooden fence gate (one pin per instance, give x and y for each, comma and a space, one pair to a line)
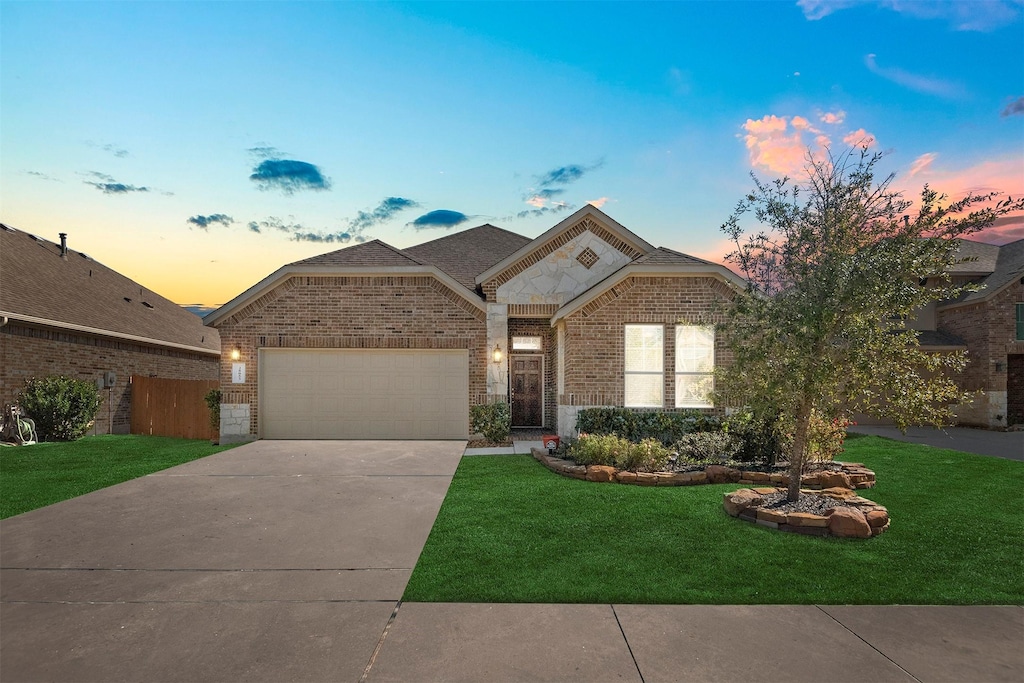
171, 407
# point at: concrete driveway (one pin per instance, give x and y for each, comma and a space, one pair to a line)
275, 561
1008, 445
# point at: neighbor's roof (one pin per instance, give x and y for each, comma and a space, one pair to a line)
975, 257
79, 293
1007, 267
938, 338
466, 254
662, 256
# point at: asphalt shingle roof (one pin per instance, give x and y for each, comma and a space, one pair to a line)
663, 256
372, 253
981, 257
1008, 267
35, 281
466, 254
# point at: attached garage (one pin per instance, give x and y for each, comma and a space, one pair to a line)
363, 393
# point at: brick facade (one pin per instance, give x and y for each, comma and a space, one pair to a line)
27, 352
595, 335
989, 329
397, 312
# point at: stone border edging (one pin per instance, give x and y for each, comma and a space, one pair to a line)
856, 518
852, 475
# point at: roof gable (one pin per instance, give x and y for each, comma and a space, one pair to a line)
589, 218
77, 292
372, 253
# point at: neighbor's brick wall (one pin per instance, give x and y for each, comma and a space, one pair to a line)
541, 327
308, 312
594, 335
989, 330
27, 352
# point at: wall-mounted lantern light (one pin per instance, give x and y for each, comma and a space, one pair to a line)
496, 355
235, 353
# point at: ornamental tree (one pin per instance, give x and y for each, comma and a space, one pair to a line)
835, 265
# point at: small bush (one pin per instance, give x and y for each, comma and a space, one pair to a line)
759, 435
608, 449
708, 448
63, 408
637, 425
493, 420
212, 399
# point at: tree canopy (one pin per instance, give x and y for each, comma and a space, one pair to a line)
835, 266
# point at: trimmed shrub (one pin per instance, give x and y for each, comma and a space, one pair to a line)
759, 435
708, 448
637, 425
63, 408
212, 400
608, 449
493, 420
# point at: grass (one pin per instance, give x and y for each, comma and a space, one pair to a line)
511, 531
47, 473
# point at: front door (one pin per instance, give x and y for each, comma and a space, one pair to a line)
527, 372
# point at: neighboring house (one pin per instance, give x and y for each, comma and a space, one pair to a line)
990, 324
377, 342
63, 313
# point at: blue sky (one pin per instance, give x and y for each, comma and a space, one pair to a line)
196, 147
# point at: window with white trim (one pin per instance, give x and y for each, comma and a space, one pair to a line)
645, 366
695, 365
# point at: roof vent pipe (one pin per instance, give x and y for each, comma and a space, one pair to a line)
64, 246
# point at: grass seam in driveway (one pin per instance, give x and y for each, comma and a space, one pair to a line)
512, 531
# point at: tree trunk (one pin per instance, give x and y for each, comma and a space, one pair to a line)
799, 452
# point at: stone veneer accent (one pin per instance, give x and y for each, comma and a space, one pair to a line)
234, 423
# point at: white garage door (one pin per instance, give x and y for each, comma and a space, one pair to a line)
363, 394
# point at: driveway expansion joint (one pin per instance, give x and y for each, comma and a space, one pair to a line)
380, 642
628, 646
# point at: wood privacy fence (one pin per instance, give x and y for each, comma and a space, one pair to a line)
171, 407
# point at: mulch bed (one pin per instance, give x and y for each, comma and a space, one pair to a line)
815, 505
484, 443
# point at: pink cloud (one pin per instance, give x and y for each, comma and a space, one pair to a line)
778, 144
860, 138
994, 175
833, 117
800, 123
921, 164
598, 202
536, 201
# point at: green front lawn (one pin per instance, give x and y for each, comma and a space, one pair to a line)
511, 531
46, 473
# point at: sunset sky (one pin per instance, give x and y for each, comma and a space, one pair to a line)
197, 147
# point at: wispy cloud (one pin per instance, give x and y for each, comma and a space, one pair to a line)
860, 138
832, 117
921, 164
388, 208
343, 237
204, 222
264, 152
927, 85
439, 218
109, 148
1014, 108
598, 203
107, 185
555, 207
978, 15
289, 176
276, 224
565, 175
43, 176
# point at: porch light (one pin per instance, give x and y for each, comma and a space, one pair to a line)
235, 353
497, 353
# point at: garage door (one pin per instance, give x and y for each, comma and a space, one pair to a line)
363, 394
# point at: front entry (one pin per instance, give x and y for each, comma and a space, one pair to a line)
527, 401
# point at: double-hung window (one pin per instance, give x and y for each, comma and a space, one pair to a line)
1020, 322
695, 365
645, 366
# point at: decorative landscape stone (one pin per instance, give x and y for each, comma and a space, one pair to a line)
849, 517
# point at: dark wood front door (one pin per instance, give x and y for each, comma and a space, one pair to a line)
527, 380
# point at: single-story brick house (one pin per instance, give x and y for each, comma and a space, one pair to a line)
61, 312
372, 341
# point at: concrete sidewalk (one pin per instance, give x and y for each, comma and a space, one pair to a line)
1008, 445
648, 643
